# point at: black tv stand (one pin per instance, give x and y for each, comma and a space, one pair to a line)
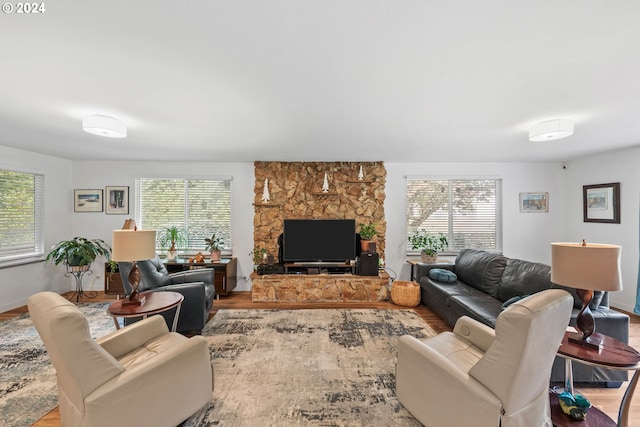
321, 267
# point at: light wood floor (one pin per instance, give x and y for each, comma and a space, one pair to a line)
608, 400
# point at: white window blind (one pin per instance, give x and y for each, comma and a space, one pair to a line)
198, 207
467, 211
21, 217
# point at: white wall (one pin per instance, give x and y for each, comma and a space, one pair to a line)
92, 174
616, 166
18, 283
526, 235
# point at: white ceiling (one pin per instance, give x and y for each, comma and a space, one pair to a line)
361, 80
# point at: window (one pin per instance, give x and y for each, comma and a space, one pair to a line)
21, 218
467, 211
198, 207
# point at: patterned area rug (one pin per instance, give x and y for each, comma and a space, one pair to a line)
307, 367
27, 379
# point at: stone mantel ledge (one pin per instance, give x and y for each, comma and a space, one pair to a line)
319, 288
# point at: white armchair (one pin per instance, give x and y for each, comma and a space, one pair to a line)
141, 375
475, 376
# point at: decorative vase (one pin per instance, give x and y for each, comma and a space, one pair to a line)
428, 258
215, 256
171, 255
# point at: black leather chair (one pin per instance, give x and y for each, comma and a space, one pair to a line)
196, 286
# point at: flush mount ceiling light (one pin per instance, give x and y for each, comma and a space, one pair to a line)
550, 130
104, 126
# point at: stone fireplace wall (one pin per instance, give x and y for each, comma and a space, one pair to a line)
296, 193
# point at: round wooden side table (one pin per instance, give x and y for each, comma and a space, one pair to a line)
614, 354
155, 302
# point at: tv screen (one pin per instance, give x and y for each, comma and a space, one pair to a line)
319, 240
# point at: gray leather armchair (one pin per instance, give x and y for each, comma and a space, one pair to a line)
195, 285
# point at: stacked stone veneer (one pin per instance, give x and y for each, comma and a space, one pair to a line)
319, 288
296, 193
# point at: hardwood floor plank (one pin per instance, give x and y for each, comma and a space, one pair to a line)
607, 399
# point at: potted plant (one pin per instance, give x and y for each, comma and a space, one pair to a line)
172, 235
428, 243
214, 245
367, 231
78, 253
258, 255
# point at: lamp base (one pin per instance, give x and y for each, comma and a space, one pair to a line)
134, 300
594, 341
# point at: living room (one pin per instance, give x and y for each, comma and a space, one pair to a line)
428, 90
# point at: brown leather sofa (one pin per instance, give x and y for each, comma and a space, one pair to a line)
487, 280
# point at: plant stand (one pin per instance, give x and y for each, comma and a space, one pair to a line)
78, 272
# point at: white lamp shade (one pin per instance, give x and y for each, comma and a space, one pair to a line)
592, 267
104, 126
551, 130
133, 245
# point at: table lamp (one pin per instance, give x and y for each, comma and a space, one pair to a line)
586, 268
131, 245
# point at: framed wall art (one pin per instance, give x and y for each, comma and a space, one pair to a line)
534, 202
601, 203
117, 200
87, 200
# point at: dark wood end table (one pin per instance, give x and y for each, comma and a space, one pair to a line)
614, 354
155, 302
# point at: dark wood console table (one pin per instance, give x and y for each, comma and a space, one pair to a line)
225, 277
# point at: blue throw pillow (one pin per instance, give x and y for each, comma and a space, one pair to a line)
511, 300
442, 275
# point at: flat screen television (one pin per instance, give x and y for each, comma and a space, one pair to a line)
319, 240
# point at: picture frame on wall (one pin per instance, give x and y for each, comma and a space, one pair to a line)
601, 203
534, 202
117, 200
87, 200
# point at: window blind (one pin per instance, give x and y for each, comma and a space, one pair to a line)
21, 217
198, 207
467, 211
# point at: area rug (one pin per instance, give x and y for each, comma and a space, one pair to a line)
308, 367
27, 379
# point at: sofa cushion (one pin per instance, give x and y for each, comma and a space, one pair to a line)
484, 309
442, 275
523, 278
480, 269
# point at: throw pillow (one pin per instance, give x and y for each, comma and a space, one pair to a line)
511, 300
442, 275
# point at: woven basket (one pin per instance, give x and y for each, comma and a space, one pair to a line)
404, 293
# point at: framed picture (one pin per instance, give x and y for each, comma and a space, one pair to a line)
601, 203
534, 202
87, 200
117, 200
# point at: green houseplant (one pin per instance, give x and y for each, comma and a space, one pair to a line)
174, 236
257, 255
78, 253
366, 231
214, 245
428, 243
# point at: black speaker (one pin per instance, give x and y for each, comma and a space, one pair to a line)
270, 269
368, 264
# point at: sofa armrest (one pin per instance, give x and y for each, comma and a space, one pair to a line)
476, 333
205, 275
133, 336
193, 291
